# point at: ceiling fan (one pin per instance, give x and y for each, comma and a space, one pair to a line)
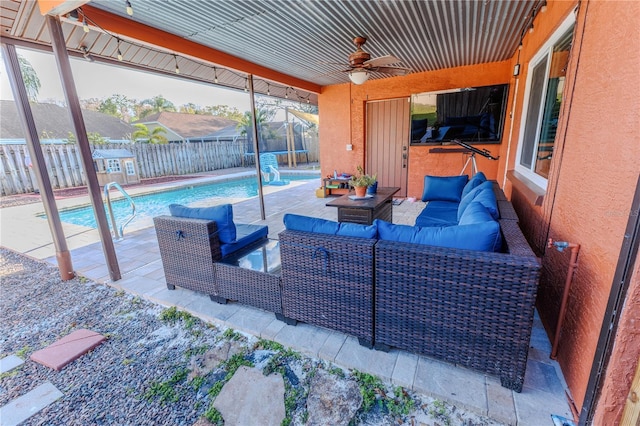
361, 63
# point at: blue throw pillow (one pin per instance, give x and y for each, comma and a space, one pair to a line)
480, 236
222, 215
444, 188
471, 196
476, 212
295, 222
476, 180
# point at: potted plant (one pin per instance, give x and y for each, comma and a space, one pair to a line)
361, 181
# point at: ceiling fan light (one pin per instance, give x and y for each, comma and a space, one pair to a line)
358, 76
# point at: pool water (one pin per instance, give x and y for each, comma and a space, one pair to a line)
157, 203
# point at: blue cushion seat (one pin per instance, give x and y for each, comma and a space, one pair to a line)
232, 236
438, 213
246, 234
444, 188
483, 236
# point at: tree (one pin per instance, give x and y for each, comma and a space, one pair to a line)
30, 78
224, 111
155, 136
191, 108
156, 104
117, 106
94, 138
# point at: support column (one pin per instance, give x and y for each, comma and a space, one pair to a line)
256, 146
71, 95
63, 257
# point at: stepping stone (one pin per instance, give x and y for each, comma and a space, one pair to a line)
10, 362
332, 401
250, 398
25, 406
68, 349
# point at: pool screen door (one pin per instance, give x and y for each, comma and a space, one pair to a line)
387, 139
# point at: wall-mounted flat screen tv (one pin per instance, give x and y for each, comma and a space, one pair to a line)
472, 114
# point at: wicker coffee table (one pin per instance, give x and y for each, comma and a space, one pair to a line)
378, 206
252, 277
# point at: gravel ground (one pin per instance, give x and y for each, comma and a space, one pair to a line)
144, 373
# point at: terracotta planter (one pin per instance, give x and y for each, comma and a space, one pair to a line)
361, 191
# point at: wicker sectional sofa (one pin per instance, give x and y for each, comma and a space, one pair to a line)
468, 307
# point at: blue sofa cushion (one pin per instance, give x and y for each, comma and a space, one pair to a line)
222, 215
438, 213
476, 180
443, 188
486, 196
480, 236
476, 212
357, 230
246, 234
294, 222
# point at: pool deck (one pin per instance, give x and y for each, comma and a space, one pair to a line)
142, 275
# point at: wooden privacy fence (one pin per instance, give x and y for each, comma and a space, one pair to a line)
65, 167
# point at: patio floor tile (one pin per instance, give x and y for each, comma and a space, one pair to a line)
354, 355
534, 407
202, 306
454, 384
332, 346
500, 402
68, 349
251, 321
272, 329
404, 371
303, 338
25, 406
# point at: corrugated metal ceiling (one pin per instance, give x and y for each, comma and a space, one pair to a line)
307, 39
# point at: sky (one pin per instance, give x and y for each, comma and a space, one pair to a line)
94, 80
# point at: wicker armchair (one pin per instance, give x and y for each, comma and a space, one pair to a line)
327, 280
188, 249
466, 307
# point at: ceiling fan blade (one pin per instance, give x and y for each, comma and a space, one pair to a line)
381, 61
392, 70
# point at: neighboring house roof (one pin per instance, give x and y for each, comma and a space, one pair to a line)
56, 122
188, 125
112, 153
227, 133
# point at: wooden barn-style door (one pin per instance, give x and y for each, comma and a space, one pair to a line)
387, 128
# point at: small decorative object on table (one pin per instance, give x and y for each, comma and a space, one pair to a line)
361, 181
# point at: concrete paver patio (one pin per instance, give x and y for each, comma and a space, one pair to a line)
142, 274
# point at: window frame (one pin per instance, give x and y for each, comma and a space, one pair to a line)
546, 51
129, 168
114, 161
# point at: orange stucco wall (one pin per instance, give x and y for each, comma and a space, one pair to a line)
591, 186
342, 114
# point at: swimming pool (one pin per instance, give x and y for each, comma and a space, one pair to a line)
157, 203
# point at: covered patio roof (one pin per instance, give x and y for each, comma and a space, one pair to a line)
293, 48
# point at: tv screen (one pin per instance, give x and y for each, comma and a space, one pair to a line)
473, 114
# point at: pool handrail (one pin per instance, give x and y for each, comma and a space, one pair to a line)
118, 234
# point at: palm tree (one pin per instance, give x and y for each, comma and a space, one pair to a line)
155, 136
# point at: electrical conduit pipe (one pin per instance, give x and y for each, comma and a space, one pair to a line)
573, 265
